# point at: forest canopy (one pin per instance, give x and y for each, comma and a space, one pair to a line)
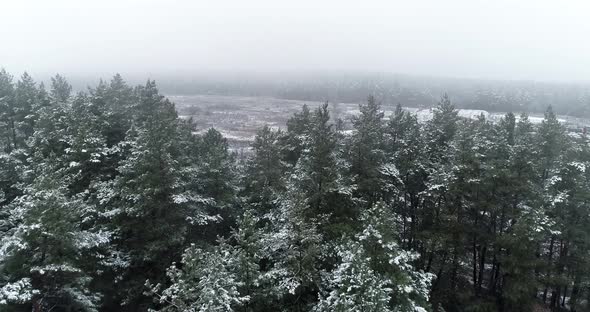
111, 202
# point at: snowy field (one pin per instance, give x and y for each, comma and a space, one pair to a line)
239, 117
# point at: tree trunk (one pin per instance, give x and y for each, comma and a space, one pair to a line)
13, 133
474, 273
455, 263
555, 294
482, 261
548, 270
575, 293
494, 274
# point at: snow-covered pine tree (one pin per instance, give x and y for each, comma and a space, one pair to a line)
406, 159
215, 179
151, 204
292, 140
318, 177
43, 254
7, 112
441, 129
60, 89
25, 96
206, 281
293, 250
224, 277
366, 152
263, 178
374, 273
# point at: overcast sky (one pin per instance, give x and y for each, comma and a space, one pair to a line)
501, 39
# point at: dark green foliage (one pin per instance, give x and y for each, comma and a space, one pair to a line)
110, 202
60, 89
366, 151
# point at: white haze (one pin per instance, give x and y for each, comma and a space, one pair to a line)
526, 39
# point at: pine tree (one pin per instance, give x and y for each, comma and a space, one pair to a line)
293, 250
552, 141
118, 98
152, 202
212, 175
522, 204
374, 273
25, 98
264, 172
247, 239
217, 172
7, 112
60, 89
86, 146
51, 126
508, 124
441, 129
207, 281
292, 143
44, 252
317, 176
356, 287
550, 138
405, 151
366, 151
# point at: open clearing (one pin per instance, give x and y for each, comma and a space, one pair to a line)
239, 117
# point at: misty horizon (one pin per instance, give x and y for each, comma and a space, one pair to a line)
525, 41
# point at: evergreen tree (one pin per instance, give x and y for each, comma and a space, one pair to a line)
44, 253
25, 98
405, 151
374, 273
207, 281
217, 170
441, 129
7, 111
60, 89
366, 151
264, 171
151, 202
293, 249
551, 141
292, 141
317, 176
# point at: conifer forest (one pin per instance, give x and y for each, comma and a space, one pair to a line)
111, 202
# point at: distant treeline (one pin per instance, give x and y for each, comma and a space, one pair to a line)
571, 99
493, 96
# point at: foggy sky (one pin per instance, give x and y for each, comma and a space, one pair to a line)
525, 39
